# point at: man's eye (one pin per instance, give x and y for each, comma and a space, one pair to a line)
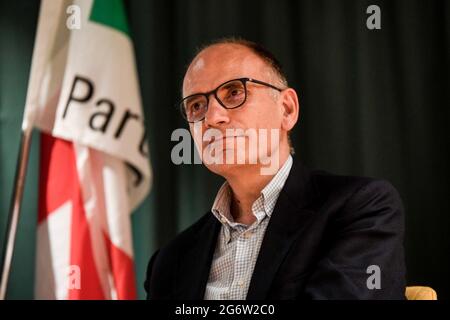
236, 92
195, 107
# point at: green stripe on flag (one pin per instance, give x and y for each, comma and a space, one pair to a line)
110, 13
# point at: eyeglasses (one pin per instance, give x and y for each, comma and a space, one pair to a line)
230, 95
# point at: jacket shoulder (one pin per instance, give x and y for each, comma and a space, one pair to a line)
185, 239
163, 263
329, 184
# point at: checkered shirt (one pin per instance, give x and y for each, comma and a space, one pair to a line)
238, 244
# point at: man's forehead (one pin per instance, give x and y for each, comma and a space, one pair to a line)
224, 51
219, 63
198, 64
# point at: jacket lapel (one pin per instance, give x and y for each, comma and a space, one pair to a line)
195, 263
288, 218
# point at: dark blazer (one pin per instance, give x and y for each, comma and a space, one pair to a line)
325, 231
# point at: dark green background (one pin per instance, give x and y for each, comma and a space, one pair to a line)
373, 103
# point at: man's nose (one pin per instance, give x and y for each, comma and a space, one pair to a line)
216, 115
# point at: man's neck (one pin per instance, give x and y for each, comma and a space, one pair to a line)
246, 188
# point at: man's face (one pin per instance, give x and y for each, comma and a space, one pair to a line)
262, 109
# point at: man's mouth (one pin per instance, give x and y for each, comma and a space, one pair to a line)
215, 140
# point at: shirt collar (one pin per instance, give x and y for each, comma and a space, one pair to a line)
266, 202
272, 190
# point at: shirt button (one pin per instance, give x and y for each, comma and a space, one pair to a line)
248, 234
240, 283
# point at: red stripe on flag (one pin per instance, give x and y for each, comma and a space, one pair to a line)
81, 254
122, 267
59, 183
57, 162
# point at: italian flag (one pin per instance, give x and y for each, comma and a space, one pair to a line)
83, 95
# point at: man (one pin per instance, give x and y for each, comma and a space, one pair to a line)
291, 233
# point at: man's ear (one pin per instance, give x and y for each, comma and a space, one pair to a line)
291, 109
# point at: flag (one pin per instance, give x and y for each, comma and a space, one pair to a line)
83, 95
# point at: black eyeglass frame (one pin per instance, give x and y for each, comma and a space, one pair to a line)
214, 91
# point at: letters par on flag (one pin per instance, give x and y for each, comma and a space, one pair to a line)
83, 94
